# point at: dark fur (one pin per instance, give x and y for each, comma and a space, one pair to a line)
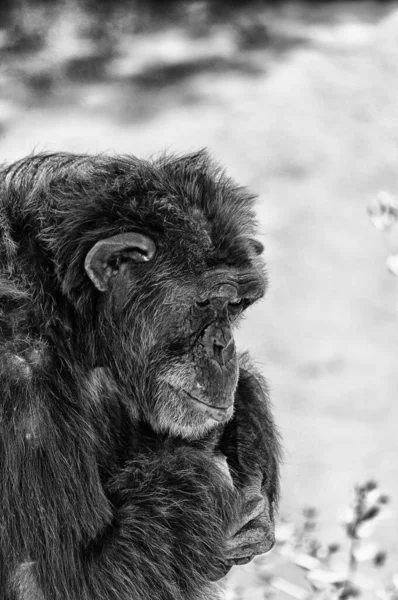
94, 504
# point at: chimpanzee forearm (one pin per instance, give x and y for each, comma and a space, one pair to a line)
176, 509
162, 516
250, 442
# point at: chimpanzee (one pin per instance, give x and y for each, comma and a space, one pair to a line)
138, 453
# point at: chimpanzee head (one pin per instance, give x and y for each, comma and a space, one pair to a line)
155, 263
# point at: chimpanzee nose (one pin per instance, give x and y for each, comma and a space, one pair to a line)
219, 343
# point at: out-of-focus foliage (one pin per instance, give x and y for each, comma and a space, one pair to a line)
304, 567
299, 101
383, 214
69, 51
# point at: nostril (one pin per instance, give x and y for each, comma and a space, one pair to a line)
203, 303
218, 350
218, 342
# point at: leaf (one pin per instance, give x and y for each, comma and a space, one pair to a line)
349, 516
373, 497
284, 532
305, 561
383, 213
371, 513
392, 264
380, 559
365, 529
288, 588
365, 552
327, 577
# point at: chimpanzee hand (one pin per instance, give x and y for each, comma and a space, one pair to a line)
253, 534
251, 447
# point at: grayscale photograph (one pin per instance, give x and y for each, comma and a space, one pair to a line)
198, 300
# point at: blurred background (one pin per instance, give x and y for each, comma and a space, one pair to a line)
299, 101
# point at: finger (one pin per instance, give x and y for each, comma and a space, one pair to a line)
240, 561
246, 538
253, 508
247, 553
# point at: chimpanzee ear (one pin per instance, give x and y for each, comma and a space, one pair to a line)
107, 258
256, 246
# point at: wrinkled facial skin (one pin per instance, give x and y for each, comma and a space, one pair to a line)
170, 298
200, 383
189, 365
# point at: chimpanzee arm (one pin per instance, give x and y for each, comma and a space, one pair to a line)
251, 445
62, 537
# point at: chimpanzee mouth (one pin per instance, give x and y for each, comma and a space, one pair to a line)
218, 413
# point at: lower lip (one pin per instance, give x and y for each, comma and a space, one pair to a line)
214, 412
218, 414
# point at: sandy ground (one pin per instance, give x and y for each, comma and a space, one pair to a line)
314, 131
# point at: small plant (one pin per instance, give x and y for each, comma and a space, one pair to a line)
383, 213
334, 571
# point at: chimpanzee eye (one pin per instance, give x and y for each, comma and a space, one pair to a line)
203, 302
239, 305
236, 302
236, 306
